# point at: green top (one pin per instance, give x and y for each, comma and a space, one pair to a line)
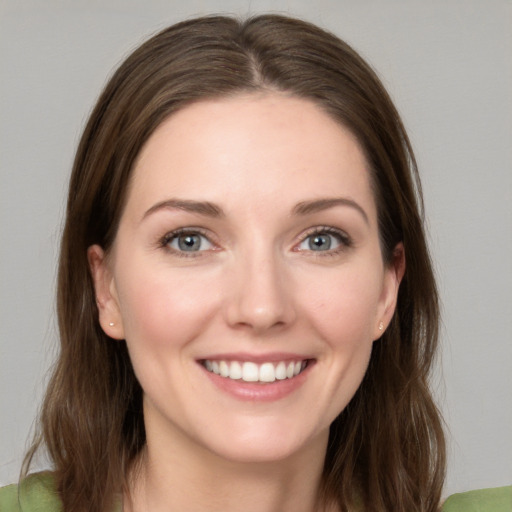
485, 500
37, 494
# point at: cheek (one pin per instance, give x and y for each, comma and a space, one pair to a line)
163, 311
342, 313
344, 308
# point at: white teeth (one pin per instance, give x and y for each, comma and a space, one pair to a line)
235, 370
224, 369
267, 372
281, 371
252, 372
289, 370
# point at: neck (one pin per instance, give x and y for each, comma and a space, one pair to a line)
176, 476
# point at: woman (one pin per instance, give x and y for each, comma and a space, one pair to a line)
247, 308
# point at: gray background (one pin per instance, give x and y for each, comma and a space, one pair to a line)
447, 64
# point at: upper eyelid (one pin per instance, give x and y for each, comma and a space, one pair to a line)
193, 230
325, 229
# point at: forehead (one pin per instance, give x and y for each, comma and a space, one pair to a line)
272, 147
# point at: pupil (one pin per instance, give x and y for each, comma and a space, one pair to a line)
320, 242
189, 242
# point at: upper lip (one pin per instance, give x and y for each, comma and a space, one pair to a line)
270, 357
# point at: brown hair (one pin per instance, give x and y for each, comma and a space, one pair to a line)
386, 449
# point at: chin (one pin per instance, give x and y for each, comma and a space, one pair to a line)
267, 445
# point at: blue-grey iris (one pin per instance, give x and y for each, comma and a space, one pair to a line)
320, 243
189, 242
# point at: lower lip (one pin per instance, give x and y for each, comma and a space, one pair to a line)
259, 392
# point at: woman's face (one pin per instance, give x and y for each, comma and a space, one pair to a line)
248, 247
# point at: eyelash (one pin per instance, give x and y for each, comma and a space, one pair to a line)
169, 237
344, 240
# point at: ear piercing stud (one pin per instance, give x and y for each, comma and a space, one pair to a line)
381, 326
111, 324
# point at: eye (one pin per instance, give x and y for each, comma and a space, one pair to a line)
324, 240
187, 241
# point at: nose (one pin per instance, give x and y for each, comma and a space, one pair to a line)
261, 295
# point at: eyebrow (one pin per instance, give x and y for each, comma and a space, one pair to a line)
318, 205
209, 209
201, 207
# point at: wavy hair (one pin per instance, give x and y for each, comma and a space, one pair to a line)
386, 449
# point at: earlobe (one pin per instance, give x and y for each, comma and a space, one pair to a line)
106, 294
392, 279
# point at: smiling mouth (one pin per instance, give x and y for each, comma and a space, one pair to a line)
253, 372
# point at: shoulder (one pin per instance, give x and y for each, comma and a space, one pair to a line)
36, 493
498, 499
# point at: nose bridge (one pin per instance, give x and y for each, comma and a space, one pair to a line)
261, 297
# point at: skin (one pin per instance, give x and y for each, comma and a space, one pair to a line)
256, 287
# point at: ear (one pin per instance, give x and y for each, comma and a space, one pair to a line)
106, 294
393, 275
